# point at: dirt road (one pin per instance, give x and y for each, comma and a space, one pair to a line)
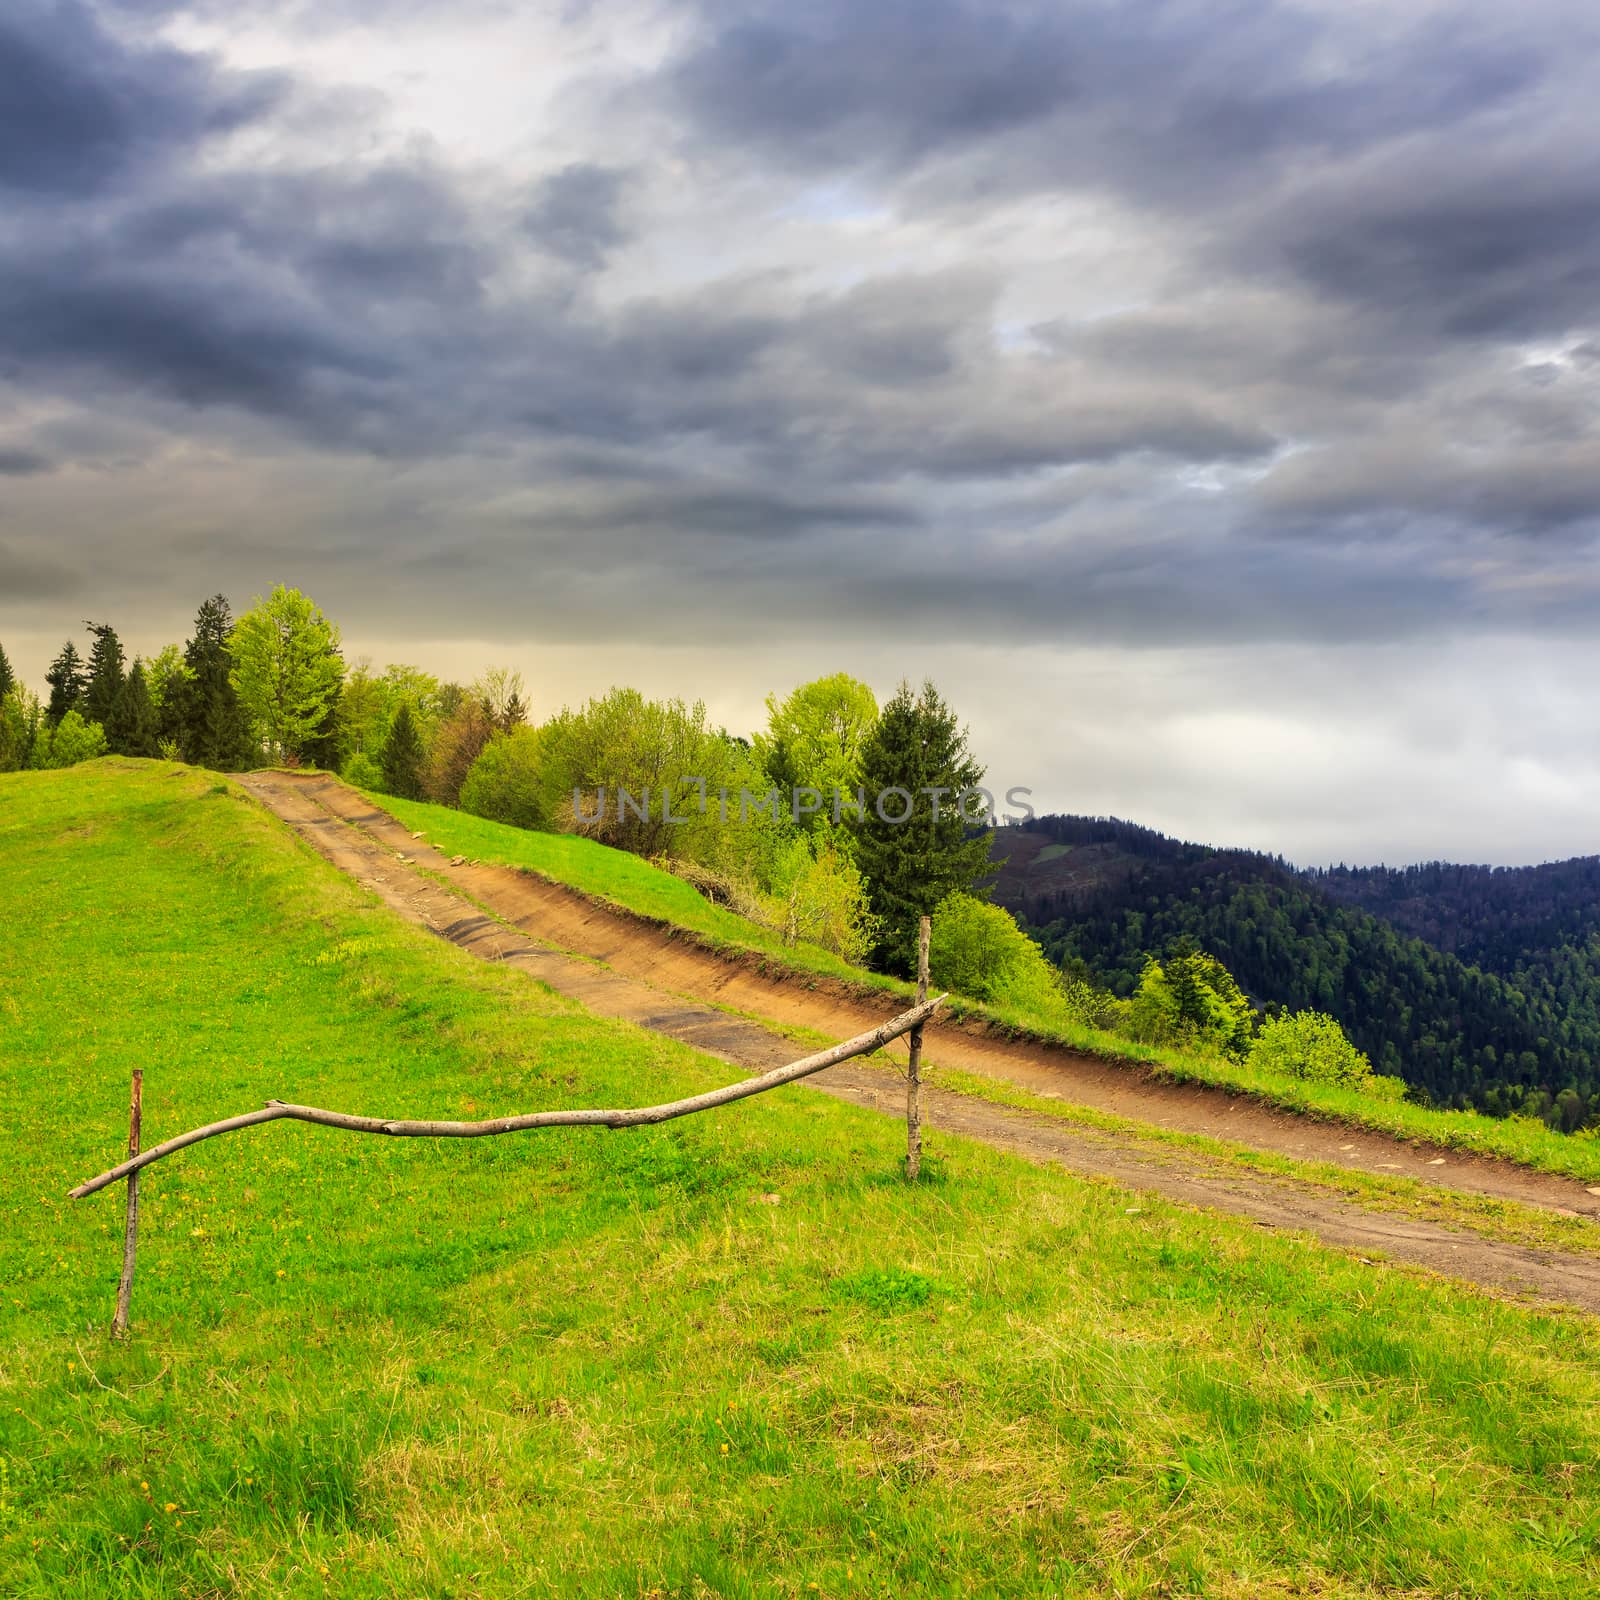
660, 979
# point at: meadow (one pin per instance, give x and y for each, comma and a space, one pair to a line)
732, 1356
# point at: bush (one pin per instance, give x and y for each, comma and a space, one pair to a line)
363, 772
503, 783
1312, 1046
1191, 999
818, 895
71, 740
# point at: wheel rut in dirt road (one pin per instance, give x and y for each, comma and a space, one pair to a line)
622, 966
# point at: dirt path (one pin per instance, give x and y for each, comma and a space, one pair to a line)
661, 980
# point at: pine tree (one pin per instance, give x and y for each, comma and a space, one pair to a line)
131, 727
403, 756
106, 674
910, 865
66, 680
8, 679
212, 731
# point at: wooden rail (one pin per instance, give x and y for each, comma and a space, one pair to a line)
637, 1117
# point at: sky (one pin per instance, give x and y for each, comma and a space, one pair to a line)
1204, 396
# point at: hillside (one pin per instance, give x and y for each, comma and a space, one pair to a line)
1100, 893
731, 1356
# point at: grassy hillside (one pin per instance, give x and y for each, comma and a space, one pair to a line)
731, 1356
634, 884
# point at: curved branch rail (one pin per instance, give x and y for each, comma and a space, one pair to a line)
638, 1117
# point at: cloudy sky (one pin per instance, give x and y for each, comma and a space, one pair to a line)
1203, 394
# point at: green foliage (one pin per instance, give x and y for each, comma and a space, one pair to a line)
286, 669
72, 740
503, 783
459, 742
21, 720
816, 895
106, 674
66, 680
368, 702
8, 680
403, 756
916, 745
813, 739
887, 1289
1191, 998
1310, 1045
201, 703
133, 728
362, 771
647, 755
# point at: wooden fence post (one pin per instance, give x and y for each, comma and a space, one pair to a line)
914, 1071
130, 1241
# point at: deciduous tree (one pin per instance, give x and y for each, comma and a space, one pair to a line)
286, 669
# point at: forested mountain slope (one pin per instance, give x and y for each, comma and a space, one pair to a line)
1520, 1030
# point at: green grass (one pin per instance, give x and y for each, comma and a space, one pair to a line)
735, 1355
627, 881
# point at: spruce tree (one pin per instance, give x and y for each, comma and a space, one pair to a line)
8, 679
212, 731
106, 674
66, 680
910, 866
131, 727
403, 756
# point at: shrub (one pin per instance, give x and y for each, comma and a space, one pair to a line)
1312, 1046
503, 783
819, 896
1191, 999
363, 772
71, 741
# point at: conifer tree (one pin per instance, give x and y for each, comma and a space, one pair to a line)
131, 727
403, 756
910, 865
106, 674
66, 680
212, 730
7, 678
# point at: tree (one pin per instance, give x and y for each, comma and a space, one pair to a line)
403, 756
1191, 998
913, 843
106, 674
500, 690
8, 680
814, 738
212, 728
818, 896
286, 669
20, 722
166, 676
72, 740
503, 784
131, 729
459, 742
66, 680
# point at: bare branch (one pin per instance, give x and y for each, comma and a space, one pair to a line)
637, 1117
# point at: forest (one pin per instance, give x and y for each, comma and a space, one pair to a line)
1479, 986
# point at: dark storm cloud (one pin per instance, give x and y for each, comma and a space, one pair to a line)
81, 110
22, 463
576, 213
1299, 415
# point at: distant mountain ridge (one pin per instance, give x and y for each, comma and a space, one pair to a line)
1479, 984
